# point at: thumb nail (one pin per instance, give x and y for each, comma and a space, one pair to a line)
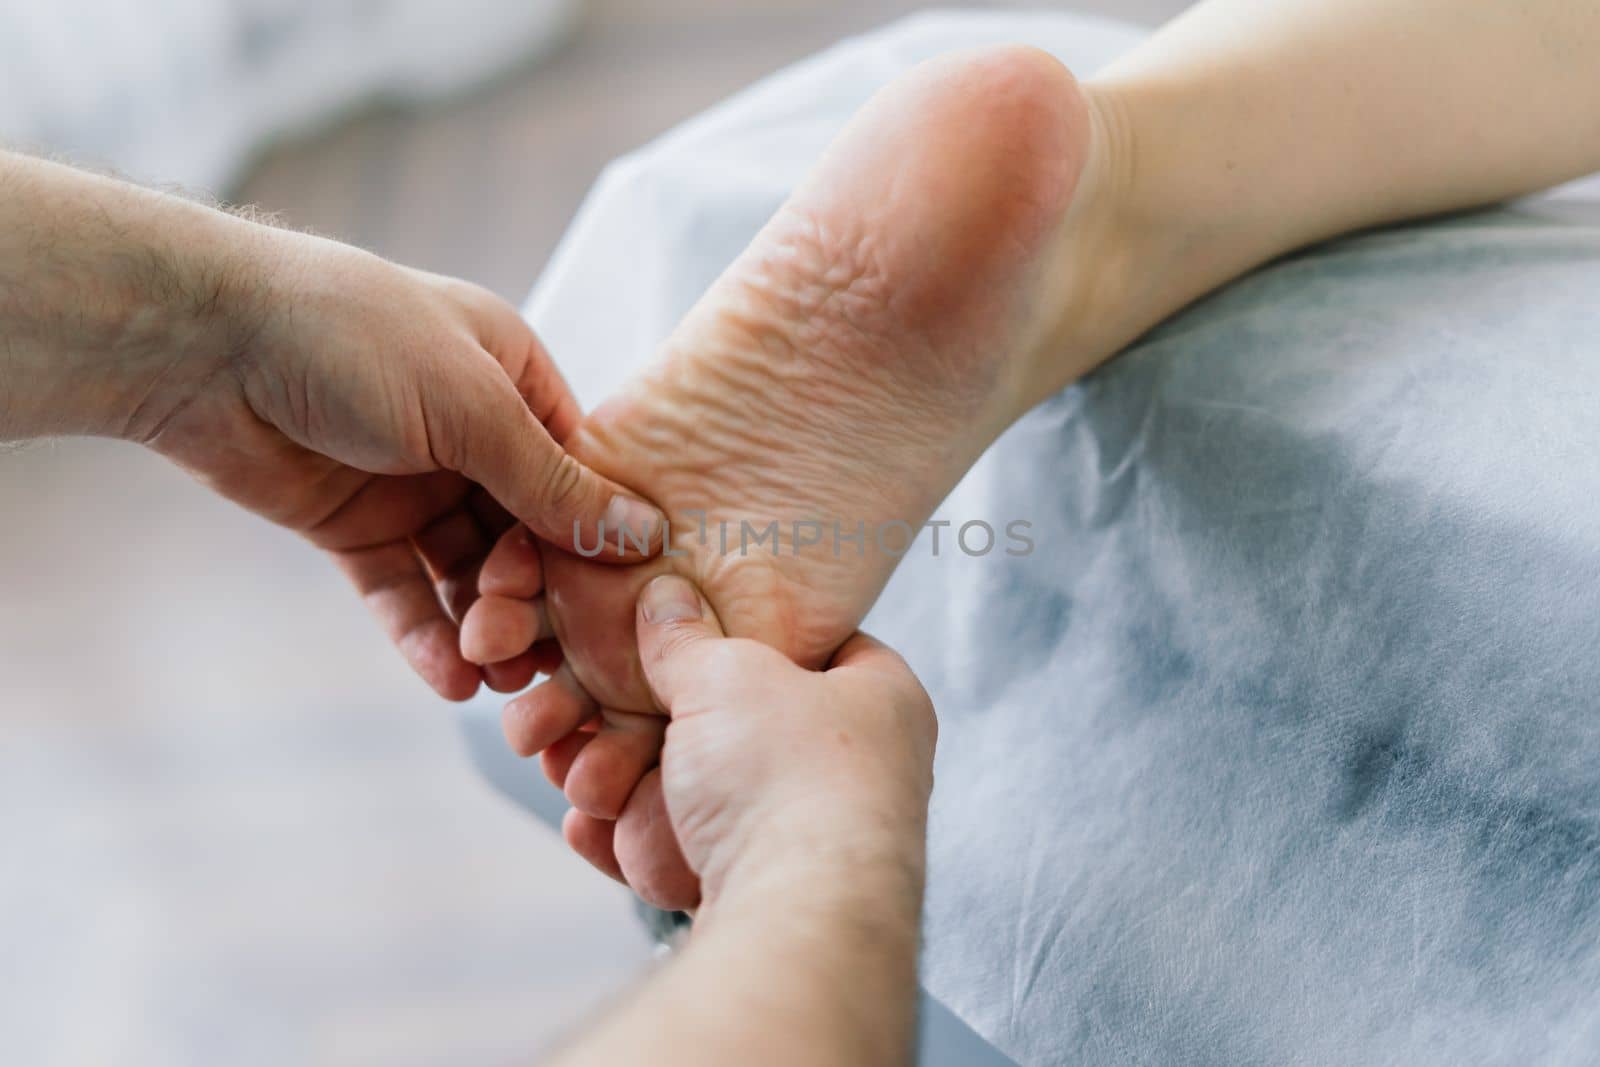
670, 599
631, 521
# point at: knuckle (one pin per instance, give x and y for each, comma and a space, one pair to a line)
675, 641
563, 483
465, 294
716, 660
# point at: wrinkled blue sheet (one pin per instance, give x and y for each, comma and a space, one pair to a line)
1284, 745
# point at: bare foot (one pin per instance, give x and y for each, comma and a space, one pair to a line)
909, 302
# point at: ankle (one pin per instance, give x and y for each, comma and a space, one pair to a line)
1101, 285
1136, 245
1191, 198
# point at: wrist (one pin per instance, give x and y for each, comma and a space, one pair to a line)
808, 962
119, 302
845, 921
191, 316
848, 863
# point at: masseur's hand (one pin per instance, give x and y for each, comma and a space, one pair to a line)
402, 421
770, 773
801, 800
399, 420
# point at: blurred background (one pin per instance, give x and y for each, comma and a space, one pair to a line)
233, 828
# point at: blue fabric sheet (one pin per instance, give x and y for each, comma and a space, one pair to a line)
1285, 745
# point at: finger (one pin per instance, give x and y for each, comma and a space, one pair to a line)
676, 629
647, 850
498, 628
383, 507
396, 587
591, 838
453, 547
497, 442
546, 713
512, 675
556, 760
605, 771
513, 567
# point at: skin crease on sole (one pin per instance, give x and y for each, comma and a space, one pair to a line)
849, 367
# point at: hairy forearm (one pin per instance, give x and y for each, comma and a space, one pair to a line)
815, 969
116, 302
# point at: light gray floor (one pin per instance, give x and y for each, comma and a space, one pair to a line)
235, 830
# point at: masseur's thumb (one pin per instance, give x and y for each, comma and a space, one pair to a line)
512, 455
678, 637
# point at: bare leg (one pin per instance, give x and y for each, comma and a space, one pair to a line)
1245, 129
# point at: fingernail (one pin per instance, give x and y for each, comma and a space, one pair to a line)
670, 599
631, 521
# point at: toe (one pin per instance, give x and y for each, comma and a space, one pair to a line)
647, 850
606, 771
499, 628
593, 609
512, 675
546, 713
591, 838
512, 568
556, 759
